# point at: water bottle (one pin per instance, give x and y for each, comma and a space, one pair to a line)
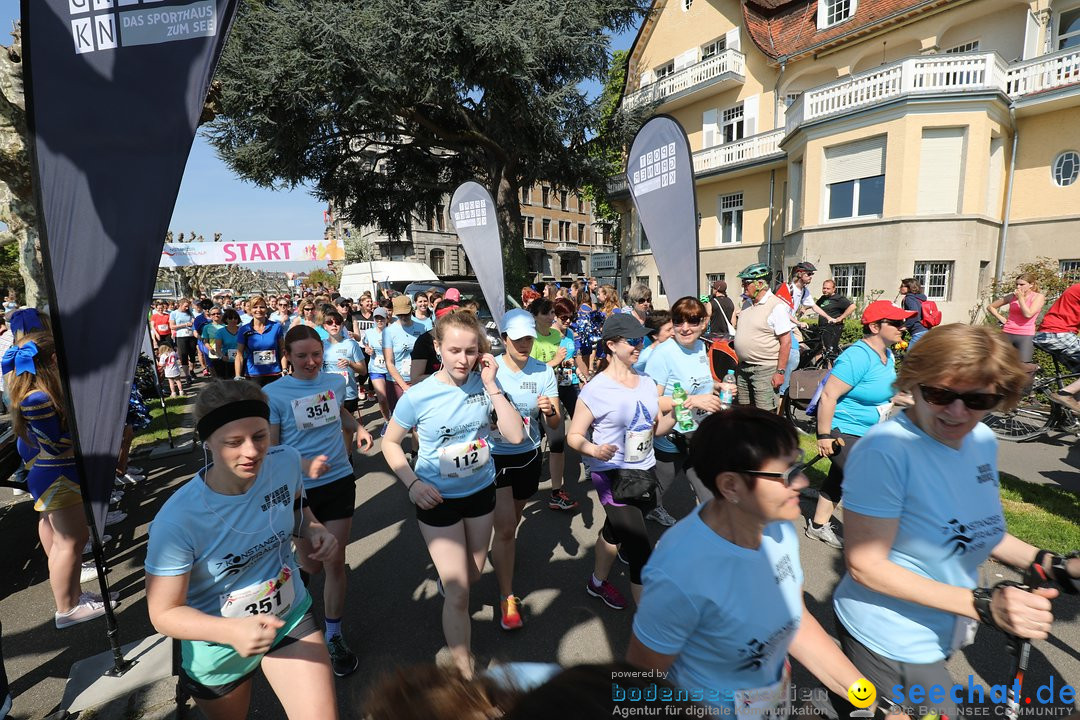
684, 421
725, 390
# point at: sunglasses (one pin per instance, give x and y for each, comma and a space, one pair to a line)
686, 321
331, 322
972, 401
646, 301
787, 477
898, 324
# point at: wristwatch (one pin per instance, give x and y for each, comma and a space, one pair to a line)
982, 597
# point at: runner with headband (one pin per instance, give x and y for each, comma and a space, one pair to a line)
221, 576
530, 385
453, 485
307, 412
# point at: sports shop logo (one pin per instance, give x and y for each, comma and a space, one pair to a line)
108, 24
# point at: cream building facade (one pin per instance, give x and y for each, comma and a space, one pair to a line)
878, 139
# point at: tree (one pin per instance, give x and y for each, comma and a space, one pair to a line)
383, 109
17, 208
194, 279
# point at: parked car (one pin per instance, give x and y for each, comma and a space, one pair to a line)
469, 291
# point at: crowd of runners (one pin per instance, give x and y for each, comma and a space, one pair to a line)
717, 602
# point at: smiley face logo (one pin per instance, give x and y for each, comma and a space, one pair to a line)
862, 693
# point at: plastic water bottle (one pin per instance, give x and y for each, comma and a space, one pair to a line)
725, 390
684, 421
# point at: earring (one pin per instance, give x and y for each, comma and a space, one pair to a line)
734, 499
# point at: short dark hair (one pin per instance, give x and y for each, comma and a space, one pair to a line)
656, 320
741, 438
540, 305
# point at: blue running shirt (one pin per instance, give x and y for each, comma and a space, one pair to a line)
522, 390
308, 416
671, 363
347, 349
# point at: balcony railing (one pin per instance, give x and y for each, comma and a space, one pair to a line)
567, 246
702, 74
535, 243
1045, 73
755, 147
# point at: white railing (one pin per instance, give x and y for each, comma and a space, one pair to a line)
567, 247
750, 148
727, 61
922, 74
1044, 73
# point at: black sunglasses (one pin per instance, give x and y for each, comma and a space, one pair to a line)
898, 324
787, 477
973, 401
634, 342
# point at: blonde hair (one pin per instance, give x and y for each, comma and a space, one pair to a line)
612, 300
47, 380
257, 299
164, 349
1030, 279
965, 354
223, 392
464, 321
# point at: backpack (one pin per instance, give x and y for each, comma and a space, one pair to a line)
931, 315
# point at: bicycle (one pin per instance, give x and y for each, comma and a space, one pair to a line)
1036, 415
818, 356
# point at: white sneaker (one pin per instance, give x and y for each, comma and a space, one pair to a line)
135, 470
825, 534
88, 573
660, 515
95, 597
114, 517
89, 547
85, 610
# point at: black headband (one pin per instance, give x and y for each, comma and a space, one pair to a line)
227, 413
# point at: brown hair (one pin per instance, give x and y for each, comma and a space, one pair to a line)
564, 307
912, 285
429, 692
47, 380
612, 301
465, 321
300, 332
965, 354
1030, 279
223, 392
687, 309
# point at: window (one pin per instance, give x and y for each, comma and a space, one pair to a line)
580, 205
1069, 29
831, 12
710, 278
564, 232
972, 46
935, 278
687, 4
660, 286
664, 70
1066, 166
855, 179
713, 49
545, 197
729, 211
581, 233
547, 229
941, 171
642, 238
562, 201
643, 280
850, 279
1070, 270
733, 124
437, 261
526, 196
529, 228
440, 221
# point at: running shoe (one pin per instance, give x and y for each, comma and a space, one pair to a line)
88, 572
561, 501
17, 492
1066, 400
606, 592
85, 610
825, 534
95, 597
660, 515
89, 547
115, 517
511, 614
342, 659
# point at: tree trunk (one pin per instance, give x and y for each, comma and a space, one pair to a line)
31, 267
508, 215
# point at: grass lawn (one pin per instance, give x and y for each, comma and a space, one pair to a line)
1044, 515
155, 432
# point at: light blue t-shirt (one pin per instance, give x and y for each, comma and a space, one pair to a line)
348, 349
428, 322
374, 337
228, 342
227, 542
294, 401
566, 374
618, 412
871, 381
401, 340
949, 510
179, 317
724, 642
453, 425
522, 390
671, 363
643, 357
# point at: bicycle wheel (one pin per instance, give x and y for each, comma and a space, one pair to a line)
1031, 418
795, 412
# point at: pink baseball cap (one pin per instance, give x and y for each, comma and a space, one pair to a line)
452, 294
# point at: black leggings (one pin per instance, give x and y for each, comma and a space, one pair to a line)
557, 436
831, 488
625, 527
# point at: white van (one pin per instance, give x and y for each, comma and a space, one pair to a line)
372, 276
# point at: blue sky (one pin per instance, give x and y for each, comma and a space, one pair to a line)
213, 199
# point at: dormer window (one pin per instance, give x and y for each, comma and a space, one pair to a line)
832, 12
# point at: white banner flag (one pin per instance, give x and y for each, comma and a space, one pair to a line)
247, 253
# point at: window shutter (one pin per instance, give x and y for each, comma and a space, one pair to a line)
997, 173
941, 166
731, 39
863, 158
709, 129
686, 59
750, 115
647, 77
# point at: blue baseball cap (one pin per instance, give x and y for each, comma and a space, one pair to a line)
518, 324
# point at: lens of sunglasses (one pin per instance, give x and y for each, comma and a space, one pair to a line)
634, 342
973, 401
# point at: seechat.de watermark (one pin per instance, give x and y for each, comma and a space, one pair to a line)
1046, 699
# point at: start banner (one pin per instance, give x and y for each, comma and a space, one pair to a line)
245, 253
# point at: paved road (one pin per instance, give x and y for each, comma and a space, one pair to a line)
394, 616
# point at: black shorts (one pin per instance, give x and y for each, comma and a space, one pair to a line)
223, 369
351, 405
333, 501
520, 472
307, 625
451, 511
185, 348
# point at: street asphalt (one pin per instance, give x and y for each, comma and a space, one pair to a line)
394, 617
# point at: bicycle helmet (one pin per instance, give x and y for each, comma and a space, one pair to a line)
757, 271
806, 266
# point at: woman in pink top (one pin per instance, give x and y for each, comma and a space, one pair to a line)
1025, 304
